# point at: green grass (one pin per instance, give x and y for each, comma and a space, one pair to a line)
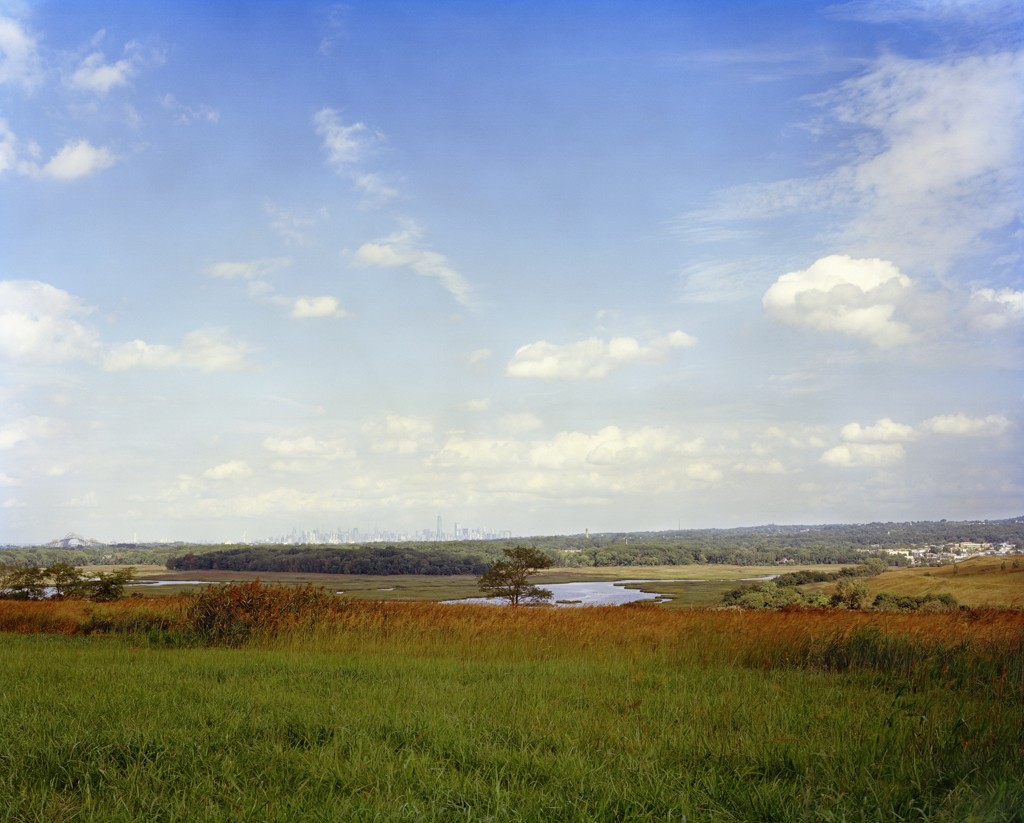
408, 712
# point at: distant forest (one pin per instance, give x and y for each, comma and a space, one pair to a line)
743, 546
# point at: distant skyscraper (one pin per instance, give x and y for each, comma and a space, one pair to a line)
440, 534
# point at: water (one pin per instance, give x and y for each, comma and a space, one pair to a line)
591, 593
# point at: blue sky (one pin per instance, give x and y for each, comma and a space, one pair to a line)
536, 267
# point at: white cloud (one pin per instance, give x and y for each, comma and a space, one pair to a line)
960, 425
232, 470
402, 249
841, 294
96, 75
480, 405
78, 158
858, 455
206, 350
324, 306
992, 310
574, 466
884, 430
946, 163
8, 148
346, 146
591, 358
397, 434
479, 356
38, 324
25, 430
19, 57
253, 272
7, 481
933, 150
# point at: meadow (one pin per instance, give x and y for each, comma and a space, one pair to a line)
420, 711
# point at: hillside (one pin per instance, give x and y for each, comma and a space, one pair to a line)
980, 581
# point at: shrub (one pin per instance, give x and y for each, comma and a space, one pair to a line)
230, 615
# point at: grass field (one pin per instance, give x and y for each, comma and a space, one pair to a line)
419, 711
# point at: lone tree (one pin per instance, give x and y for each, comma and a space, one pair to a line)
508, 578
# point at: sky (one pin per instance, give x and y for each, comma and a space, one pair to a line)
535, 267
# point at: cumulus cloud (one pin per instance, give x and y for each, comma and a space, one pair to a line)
232, 470
325, 306
39, 323
860, 455
78, 158
994, 310
404, 249
841, 294
95, 74
591, 358
961, 425
206, 350
884, 430
480, 405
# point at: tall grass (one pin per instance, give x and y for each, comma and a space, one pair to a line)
392, 711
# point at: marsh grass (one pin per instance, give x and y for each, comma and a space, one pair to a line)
418, 711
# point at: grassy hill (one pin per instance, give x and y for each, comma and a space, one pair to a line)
980, 581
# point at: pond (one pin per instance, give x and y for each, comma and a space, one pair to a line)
590, 593
598, 593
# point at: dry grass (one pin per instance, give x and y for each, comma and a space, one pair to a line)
980, 581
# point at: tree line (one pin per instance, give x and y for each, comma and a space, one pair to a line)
334, 560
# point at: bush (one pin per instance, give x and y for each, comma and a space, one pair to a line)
230, 615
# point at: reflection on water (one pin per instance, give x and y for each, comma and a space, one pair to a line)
591, 593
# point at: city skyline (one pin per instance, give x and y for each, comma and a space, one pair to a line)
552, 266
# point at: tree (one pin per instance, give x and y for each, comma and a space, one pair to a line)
851, 594
22, 583
66, 580
104, 588
508, 578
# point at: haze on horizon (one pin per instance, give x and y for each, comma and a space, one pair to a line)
535, 267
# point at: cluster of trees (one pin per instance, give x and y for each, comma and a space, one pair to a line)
334, 560
62, 581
